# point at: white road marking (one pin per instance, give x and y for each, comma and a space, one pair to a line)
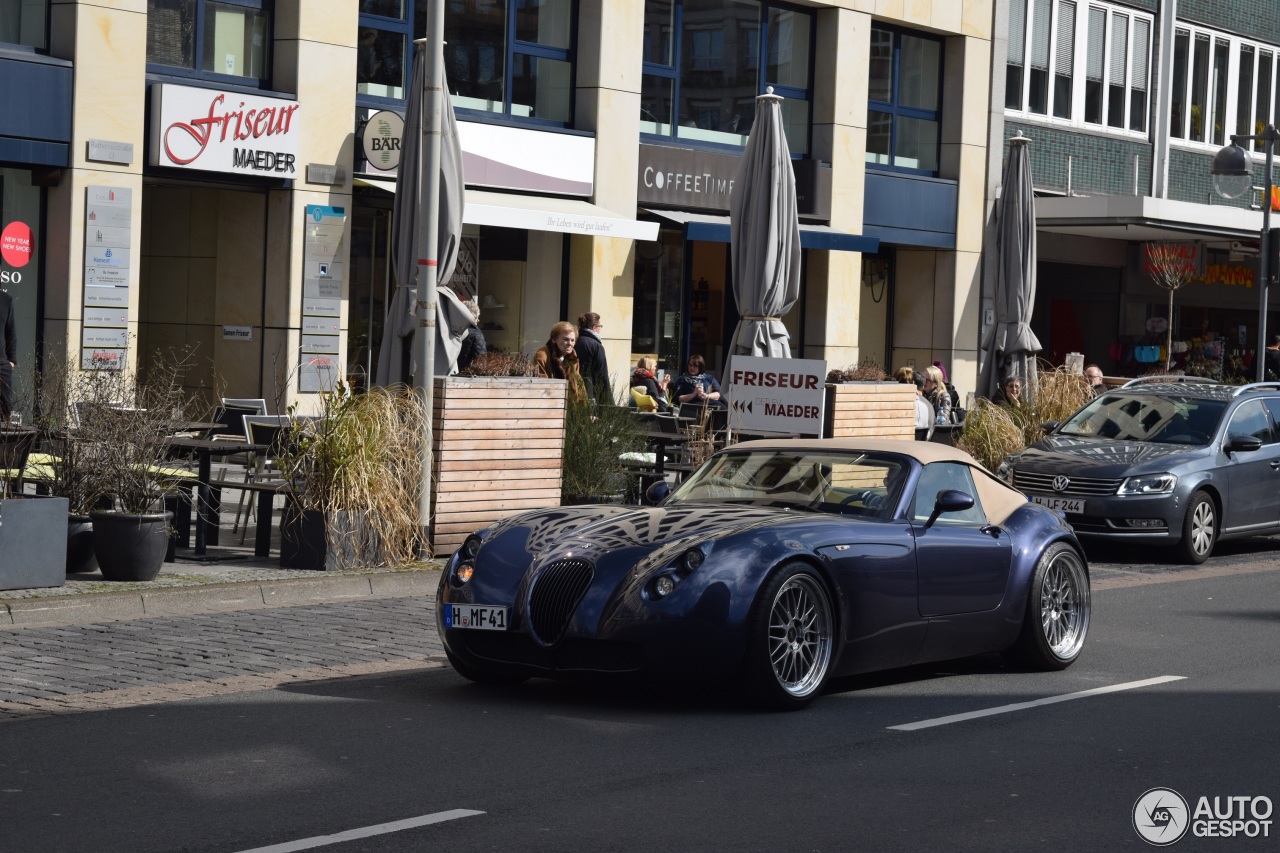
1022, 706
365, 832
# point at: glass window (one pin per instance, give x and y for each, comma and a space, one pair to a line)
904, 100
939, 477
24, 22
228, 38
1273, 407
703, 68
1047, 37
1178, 117
1251, 419
1265, 60
507, 57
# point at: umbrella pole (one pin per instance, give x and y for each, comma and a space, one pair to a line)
428, 261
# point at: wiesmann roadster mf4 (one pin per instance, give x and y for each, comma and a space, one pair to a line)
774, 567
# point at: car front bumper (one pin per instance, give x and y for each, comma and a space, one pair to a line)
1154, 519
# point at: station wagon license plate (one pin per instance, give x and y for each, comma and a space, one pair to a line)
479, 616
1075, 505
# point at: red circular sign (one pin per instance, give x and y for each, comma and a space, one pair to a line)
15, 244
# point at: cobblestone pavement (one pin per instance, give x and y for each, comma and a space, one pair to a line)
86, 667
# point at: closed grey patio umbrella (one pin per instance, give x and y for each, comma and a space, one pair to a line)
764, 236
452, 316
1009, 347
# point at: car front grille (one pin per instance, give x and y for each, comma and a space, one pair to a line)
556, 592
1034, 481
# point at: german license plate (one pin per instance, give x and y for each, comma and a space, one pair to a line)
1075, 505
479, 616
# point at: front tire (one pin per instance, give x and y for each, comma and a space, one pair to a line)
1199, 529
1057, 614
481, 674
790, 641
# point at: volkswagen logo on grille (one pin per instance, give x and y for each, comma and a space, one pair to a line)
1060, 483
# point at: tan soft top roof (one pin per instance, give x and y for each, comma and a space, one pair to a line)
924, 451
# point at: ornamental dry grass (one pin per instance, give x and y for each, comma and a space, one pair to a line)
993, 432
363, 456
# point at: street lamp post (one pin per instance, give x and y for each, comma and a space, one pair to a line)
1233, 177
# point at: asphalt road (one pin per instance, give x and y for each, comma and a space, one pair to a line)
573, 768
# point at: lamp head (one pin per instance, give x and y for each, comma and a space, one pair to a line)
1232, 171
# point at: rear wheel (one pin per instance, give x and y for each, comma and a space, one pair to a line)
1057, 614
1199, 529
790, 644
481, 674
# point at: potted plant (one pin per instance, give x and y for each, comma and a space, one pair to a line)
28, 556
355, 475
863, 402
595, 438
122, 434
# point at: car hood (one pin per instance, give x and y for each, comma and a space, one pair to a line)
598, 529
1103, 457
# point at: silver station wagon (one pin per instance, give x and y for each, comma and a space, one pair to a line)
1172, 461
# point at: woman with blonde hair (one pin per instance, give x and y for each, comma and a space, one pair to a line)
935, 391
558, 360
656, 388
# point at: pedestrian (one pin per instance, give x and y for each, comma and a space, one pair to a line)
8, 354
645, 378
905, 375
924, 411
558, 360
951, 390
592, 361
1272, 365
473, 342
1093, 376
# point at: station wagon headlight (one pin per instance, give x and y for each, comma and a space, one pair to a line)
1149, 484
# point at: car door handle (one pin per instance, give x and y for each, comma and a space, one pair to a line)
992, 530
1275, 463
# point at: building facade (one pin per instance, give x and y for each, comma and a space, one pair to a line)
1126, 104
216, 178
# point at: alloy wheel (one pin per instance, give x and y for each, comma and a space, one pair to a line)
800, 635
1064, 605
1202, 528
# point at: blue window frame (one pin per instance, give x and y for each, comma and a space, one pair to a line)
26, 23
703, 69
503, 58
904, 101
224, 40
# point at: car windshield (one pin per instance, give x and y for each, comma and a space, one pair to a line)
1159, 419
848, 483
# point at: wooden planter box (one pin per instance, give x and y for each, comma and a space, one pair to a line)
497, 443
871, 410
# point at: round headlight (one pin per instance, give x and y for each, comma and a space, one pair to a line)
663, 586
692, 559
471, 547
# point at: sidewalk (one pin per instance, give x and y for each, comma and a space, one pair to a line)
185, 588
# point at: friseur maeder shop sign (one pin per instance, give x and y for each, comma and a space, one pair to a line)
696, 179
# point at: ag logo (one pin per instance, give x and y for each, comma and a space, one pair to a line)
1161, 817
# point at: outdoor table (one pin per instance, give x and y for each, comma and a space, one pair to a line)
205, 449
661, 440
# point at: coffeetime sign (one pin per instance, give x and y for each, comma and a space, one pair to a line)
213, 130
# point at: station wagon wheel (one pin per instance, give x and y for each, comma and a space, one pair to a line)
1056, 619
792, 630
1199, 529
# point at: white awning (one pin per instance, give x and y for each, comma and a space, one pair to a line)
541, 213
714, 228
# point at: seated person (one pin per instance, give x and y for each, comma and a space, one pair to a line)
643, 377
695, 385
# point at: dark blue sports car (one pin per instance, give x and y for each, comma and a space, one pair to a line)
774, 567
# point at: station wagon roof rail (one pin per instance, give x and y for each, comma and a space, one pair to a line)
1257, 386
1171, 378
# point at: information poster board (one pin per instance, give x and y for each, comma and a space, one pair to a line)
322, 288
108, 217
782, 395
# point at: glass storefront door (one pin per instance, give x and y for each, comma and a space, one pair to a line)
20, 253
657, 328
370, 290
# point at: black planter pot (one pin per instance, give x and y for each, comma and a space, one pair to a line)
31, 552
302, 538
80, 556
130, 547
311, 540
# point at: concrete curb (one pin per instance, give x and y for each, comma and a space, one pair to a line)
212, 598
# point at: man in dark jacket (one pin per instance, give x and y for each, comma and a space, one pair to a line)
591, 360
9, 356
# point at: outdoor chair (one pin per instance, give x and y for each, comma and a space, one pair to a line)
269, 430
15, 447
643, 401
254, 405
